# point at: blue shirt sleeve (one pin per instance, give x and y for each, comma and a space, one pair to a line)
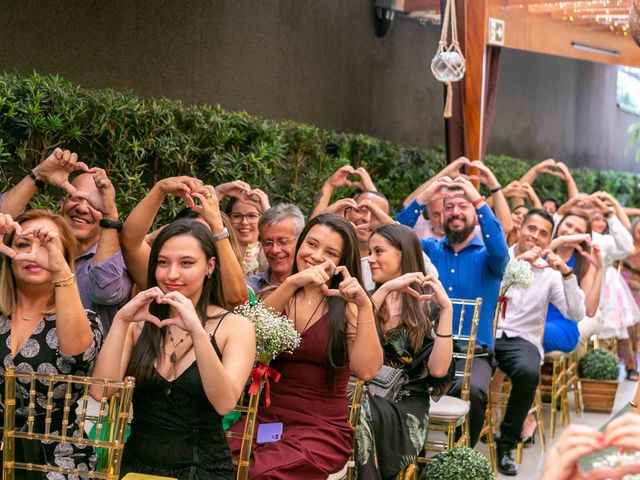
494, 239
410, 214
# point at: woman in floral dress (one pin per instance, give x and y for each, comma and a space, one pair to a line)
414, 316
44, 328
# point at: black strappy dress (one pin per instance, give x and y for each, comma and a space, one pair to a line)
176, 432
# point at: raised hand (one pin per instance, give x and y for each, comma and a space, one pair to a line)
467, 187
183, 313
455, 168
232, 189
349, 289
555, 261
258, 198
434, 190
485, 175
209, 207
576, 241
340, 177
42, 246
514, 189
7, 226
341, 205
104, 198
316, 275
378, 216
181, 187
532, 256
56, 168
594, 256
137, 309
365, 183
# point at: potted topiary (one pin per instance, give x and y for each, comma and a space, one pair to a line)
598, 371
460, 463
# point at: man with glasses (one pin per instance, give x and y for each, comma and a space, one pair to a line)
279, 228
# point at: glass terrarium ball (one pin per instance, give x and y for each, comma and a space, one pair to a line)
448, 66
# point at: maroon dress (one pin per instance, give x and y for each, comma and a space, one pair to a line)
316, 438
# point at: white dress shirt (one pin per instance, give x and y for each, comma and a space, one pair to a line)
527, 308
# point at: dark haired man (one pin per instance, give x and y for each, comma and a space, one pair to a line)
518, 347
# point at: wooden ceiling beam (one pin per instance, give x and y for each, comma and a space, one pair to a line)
539, 33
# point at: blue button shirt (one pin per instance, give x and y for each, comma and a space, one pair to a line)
474, 271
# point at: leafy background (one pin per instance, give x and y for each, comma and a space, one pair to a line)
139, 141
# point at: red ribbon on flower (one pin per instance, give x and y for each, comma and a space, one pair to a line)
260, 371
503, 299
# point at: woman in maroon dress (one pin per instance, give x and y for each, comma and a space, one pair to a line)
325, 299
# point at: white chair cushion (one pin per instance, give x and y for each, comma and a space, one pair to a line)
341, 474
448, 408
554, 355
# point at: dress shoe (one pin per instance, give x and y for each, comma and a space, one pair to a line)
506, 463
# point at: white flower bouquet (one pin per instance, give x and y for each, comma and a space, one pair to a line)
517, 274
275, 333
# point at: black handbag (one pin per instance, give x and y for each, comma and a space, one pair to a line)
388, 383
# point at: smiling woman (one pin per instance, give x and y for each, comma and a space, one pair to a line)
325, 300
43, 326
190, 357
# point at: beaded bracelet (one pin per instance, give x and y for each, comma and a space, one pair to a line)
64, 282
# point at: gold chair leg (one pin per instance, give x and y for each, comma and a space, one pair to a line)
519, 449
540, 419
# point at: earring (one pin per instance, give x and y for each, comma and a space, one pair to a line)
209, 274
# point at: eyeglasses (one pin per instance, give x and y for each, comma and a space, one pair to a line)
282, 242
239, 217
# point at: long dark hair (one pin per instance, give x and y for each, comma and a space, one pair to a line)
581, 264
336, 349
416, 315
148, 349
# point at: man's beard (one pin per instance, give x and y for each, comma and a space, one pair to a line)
458, 236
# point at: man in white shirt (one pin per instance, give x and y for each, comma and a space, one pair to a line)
518, 346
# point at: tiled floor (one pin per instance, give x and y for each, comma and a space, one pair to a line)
533, 459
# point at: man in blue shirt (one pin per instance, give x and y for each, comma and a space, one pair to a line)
470, 267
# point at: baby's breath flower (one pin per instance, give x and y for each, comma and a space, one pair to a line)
517, 274
275, 333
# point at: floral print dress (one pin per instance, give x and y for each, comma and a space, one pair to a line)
390, 435
40, 353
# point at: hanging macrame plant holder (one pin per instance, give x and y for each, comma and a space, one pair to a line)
448, 65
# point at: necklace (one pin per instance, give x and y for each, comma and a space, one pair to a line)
174, 356
295, 313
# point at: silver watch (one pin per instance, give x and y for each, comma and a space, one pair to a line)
223, 234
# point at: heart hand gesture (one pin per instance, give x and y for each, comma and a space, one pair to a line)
137, 309
7, 226
42, 246
349, 289
56, 168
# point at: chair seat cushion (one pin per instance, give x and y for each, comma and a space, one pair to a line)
341, 474
448, 408
554, 355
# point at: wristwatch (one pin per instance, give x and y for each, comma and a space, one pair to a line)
117, 224
567, 274
222, 235
39, 183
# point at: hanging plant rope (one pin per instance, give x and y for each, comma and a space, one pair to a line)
448, 65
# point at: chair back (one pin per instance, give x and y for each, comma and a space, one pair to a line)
462, 339
115, 401
248, 406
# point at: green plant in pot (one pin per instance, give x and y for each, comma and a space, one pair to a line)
460, 463
598, 370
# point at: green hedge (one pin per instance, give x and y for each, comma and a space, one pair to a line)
139, 141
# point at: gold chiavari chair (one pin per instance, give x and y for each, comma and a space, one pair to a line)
448, 413
110, 431
354, 394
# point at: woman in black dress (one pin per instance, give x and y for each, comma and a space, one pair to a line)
414, 316
190, 357
43, 325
